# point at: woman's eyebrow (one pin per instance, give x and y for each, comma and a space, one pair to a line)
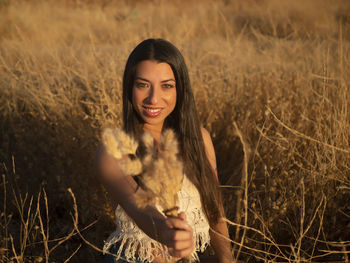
141, 79
166, 80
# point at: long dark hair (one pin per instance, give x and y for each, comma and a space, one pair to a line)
183, 120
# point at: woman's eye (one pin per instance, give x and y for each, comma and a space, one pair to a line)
141, 85
168, 86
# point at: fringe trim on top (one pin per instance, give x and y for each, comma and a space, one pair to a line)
138, 246
143, 249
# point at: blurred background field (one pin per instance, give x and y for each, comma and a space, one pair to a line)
271, 80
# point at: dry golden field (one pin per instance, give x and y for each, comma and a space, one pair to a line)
271, 80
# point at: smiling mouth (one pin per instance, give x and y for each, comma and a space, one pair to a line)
151, 112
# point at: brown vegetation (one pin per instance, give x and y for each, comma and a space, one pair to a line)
271, 80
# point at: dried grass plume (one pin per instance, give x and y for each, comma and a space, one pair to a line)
161, 171
121, 145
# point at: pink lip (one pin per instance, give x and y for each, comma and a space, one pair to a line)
151, 114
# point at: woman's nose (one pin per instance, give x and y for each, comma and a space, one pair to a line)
153, 96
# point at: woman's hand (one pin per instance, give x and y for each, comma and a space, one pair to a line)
173, 232
177, 235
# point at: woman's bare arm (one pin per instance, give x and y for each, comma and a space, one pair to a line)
219, 232
175, 233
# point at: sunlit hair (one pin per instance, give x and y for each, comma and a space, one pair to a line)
183, 120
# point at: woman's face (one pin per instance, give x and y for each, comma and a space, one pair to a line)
154, 93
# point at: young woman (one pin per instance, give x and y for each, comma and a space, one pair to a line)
157, 95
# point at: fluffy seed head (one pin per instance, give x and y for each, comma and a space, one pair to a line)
118, 143
163, 172
131, 167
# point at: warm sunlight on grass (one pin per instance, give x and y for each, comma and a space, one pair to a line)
271, 80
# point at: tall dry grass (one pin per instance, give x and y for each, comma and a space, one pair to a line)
271, 80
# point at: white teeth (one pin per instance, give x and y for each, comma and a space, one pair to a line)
152, 110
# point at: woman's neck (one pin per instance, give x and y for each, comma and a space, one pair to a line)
154, 131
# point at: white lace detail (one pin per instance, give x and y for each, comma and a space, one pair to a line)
133, 239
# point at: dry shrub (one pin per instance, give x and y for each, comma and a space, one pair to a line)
278, 69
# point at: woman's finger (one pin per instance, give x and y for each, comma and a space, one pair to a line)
181, 245
178, 223
171, 237
182, 215
180, 235
181, 253
174, 229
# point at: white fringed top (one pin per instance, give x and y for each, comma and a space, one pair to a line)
132, 239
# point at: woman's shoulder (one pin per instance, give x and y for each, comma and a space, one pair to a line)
205, 134
208, 143
101, 154
209, 147
105, 164
102, 159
